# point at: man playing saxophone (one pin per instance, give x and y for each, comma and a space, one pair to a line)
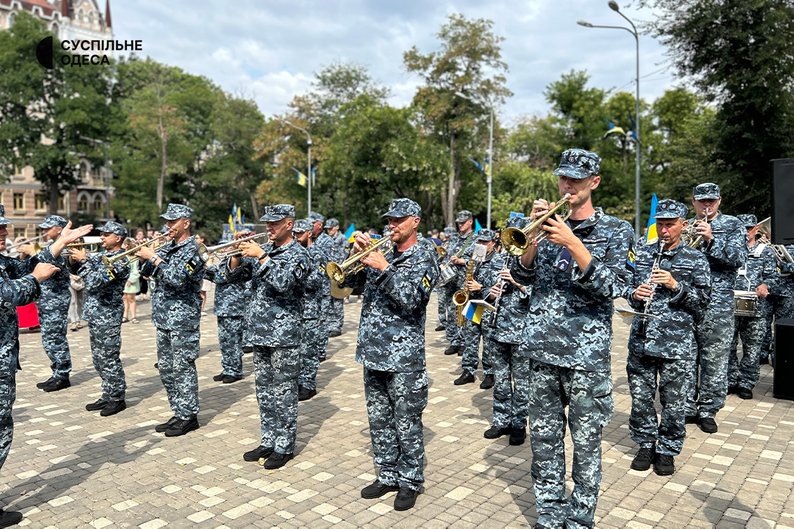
670, 286
723, 242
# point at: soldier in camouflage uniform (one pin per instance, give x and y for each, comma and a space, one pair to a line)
103, 309
459, 249
391, 347
178, 269
441, 300
725, 245
574, 275
279, 273
18, 286
502, 331
471, 333
782, 300
317, 287
53, 305
671, 284
232, 297
759, 274
333, 309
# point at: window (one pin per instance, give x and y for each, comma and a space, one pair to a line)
82, 203
41, 201
62, 203
99, 204
19, 201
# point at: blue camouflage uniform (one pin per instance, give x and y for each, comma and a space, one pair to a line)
53, 305
17, 288
726, 253
333, 308
760, 268
461, 246
176, 309
567, 338
276, 334
502, 334
103, 309
660, 347
443, 297
781, 297
391, 347
232, 301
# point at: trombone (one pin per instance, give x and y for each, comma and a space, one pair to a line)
515, 241
353, 265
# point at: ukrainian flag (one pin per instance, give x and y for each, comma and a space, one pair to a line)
651, 236
300, 178
473, 312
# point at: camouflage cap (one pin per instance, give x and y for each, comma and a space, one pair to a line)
516, 222
114, 227
463, 216
3, 219
50, 221
301, 226
403, 207
177, 211
748, 220
331, 223
707, 191
450, 230
671, 209
486, 235
578, 164
278, 212
316, 217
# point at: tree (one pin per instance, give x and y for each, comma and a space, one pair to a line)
469, 63
739, 54
51, 119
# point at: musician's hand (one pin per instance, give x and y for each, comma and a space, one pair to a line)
507, 276
762, 290
251, 249
539, 207
643, 292
560, 233
361, 241
376, 260
145, 253
78, 254
44, 271
496, 290
70, 235
243, 234
473, 286
703, 229
664, 278
27, 249
457, 260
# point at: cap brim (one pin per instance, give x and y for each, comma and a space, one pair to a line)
271, 218
571, 172
668, 216
706, 197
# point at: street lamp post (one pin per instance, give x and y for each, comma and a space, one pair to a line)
489, 171
613, 5
308, 165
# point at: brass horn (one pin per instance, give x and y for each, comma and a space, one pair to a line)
516, 240
352, 265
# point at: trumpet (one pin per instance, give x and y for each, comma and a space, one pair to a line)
234, 251
33, 240
515, 241
353, 265
159, 239
690, 236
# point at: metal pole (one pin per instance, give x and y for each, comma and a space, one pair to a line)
309, 163
490, 170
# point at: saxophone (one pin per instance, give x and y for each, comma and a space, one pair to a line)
461, 297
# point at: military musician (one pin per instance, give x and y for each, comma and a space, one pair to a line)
459, 249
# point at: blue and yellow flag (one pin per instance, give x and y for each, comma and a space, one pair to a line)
231, 225
473, 312
349, 232
477, 226
651, 236
300, 178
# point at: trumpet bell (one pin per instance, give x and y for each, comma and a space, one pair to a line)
335, 272
514, 241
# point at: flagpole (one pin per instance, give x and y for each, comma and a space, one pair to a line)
490, 169
309, 162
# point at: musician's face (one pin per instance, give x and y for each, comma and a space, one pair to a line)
110, 240
402, 228
50, 234
712, 204
178, 227
579, 189
670, 230
465, 226
303, 238
280, 231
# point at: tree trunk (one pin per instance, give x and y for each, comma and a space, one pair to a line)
53, 196
163, 163
449, 209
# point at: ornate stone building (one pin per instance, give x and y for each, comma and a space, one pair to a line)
22, 194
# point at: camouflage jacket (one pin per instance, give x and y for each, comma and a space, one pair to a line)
760, 268
55, 293
785, 284
176, 300
276, 308
17, 288
232, 288
328, 247
506, 325
669, 335
103, 303
727, 252
391, 336
316, 286
341, 244
570, 310
463, 247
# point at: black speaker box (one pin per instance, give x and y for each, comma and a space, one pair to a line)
783, 201
783, 381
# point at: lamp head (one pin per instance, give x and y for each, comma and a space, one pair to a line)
613, 5
584, 23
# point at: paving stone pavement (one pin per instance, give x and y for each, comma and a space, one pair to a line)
72, 468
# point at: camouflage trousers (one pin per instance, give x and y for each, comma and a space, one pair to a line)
588, 396
647, 374
177, 350
276, 375
395, 402
312, 349
53, 338
708, 380
471, 334
8, 394
336, 315
230, 340
511, 384
105, 351
443, 298
745, 373
453, 333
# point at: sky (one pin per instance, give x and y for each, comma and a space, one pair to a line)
269, 50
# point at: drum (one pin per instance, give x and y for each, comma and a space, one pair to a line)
446, 275
745, 303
